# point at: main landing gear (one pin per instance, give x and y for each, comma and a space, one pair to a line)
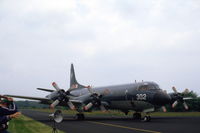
147, 118
138, 116
79, 116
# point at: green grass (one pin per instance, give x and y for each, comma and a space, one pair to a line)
179, 114
25, 124
119, 113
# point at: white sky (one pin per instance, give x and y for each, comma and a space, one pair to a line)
109, 42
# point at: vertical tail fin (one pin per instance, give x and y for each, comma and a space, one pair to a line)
73, 82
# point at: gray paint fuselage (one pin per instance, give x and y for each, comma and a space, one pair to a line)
126, 96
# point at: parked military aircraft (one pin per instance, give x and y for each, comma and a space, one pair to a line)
141, 97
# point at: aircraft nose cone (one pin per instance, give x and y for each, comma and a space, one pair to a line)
161, 98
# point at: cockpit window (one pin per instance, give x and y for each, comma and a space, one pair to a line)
153, 87
157, 87
148, 87
143, 87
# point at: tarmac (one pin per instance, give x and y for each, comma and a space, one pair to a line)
110, 124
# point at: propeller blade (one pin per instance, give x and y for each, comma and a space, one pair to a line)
180, 98
185, 105
164, 109
55, 103
90, 89
71, 105
187, 98
186, 91
88, 106
174, 104
56, 86
174, 89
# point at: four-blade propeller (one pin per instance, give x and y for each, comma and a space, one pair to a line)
179, 98
62, 96
95, 100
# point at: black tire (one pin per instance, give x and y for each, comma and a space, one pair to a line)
147, 119
79, 117
82, 116
137, 116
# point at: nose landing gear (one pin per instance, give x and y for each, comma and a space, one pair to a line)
147, 118
138, 116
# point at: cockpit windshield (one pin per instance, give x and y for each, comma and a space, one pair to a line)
153, 87
143, 87
148, 87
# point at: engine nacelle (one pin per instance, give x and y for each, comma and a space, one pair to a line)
53, 96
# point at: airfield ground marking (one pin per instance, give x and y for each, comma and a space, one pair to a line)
119, 126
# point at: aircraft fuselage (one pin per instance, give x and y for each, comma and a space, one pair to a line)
136, 96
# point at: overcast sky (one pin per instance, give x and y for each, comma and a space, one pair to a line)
109, 42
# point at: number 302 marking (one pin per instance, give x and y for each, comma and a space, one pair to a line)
141, 96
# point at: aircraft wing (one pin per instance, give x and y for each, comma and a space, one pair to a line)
42, 100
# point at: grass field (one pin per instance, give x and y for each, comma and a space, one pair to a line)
25, 124
119, 113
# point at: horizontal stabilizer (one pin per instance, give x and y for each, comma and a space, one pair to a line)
48, 90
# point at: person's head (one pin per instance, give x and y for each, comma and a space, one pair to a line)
4, 102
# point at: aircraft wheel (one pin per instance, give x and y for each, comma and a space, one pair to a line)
82, 117
136, 116
147, 118
79, 117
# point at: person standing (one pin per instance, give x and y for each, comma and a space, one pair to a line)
8, 110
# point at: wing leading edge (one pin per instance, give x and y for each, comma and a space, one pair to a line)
42, 100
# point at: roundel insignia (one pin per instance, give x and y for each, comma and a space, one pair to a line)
75, 86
